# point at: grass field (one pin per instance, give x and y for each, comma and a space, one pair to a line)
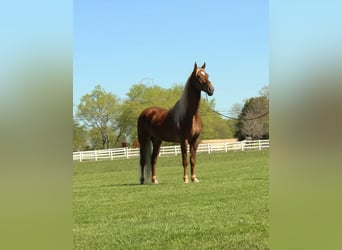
228, 209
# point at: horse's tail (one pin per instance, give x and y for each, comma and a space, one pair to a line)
148, 164
145, 150
145, 162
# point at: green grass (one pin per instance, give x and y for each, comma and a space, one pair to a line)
228, 209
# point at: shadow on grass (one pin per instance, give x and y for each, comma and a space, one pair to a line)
131, 185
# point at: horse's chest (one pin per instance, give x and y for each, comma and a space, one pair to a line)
195, 126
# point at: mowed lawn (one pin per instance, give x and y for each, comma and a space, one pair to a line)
228, 209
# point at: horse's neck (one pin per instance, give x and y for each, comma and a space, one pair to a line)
188, 104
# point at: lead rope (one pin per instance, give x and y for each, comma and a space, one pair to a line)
229, 117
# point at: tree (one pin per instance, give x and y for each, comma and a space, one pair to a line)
79, 137
95, 139
253, 122
265, 91
236, 110
100, 110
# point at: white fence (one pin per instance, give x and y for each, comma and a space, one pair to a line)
126, 153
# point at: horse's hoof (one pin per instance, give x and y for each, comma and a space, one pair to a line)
155, 181
194, 180
142, 180
186, 180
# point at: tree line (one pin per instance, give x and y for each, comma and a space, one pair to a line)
102, 120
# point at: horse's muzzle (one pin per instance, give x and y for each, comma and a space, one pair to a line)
210, 93
209, 90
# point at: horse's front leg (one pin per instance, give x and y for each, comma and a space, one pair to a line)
193, 149
184, 161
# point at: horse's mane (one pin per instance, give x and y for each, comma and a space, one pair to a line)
178, 111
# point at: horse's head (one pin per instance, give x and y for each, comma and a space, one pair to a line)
202, 80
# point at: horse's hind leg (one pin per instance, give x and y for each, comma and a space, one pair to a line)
142, 163
145, 156
156, 149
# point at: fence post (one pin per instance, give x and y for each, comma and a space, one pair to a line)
111, 154
81, 156
126, 152
209, 148
175, 150
226, 147
95, 155
242, 146
259, 145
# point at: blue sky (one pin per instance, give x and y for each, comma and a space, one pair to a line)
124, 42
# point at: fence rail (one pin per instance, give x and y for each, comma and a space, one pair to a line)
127, 153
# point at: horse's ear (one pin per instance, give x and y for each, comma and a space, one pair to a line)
195, 66
203, 66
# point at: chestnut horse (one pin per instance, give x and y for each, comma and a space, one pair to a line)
182, 123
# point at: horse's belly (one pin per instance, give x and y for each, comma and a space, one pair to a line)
165, 134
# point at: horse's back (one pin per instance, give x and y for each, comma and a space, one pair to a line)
156, 122
153, 115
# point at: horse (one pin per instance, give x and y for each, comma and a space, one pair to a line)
182, 123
